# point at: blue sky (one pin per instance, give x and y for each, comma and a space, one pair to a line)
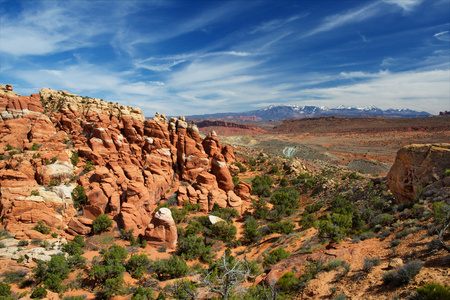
193, 57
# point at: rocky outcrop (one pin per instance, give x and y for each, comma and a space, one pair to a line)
416, 167
62, 101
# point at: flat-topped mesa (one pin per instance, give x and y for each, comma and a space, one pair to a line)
61, 100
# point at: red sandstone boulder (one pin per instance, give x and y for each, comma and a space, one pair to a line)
243, 190
415, 167
76, 227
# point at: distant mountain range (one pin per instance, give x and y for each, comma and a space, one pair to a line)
281, 112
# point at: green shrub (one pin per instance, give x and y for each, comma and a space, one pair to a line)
440, 211
72, 248
113, 286
22, 243
35, 147
192, 247
242, 169
89, 166
236, 180
190, 206
286, 227
252, 231
395, 242
79, 239
102, 223
15, 276
194, 228
336, 227
143, 294
260, 208
222, 231
341, 296
284, 182
74, 159
275, 256
137, 265
433, 291
39, 293
170, 268
311, 208
308, 221
261, 186
79, 196
334, 264
5, 290
52, 273
383, 219
179, 215
340, 205
42, 228
53, 283
114, 252
288, 283
274, 169
76, 261
285, 201
403, 274
226, 213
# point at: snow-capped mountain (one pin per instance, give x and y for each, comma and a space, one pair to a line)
280, 112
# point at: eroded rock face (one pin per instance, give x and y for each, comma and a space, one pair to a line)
416, 167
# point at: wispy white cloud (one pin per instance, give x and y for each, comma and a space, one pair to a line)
49, 27
407, 5
359, 74
352, 16
443, 36
276, 23
387, 61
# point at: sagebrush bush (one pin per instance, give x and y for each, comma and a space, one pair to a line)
369, 263
403, 274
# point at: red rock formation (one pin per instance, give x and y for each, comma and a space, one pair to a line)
417, 166
135, 163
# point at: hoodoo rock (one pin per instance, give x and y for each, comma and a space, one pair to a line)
163, 228
417, 166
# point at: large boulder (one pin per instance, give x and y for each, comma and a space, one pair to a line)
415, 167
